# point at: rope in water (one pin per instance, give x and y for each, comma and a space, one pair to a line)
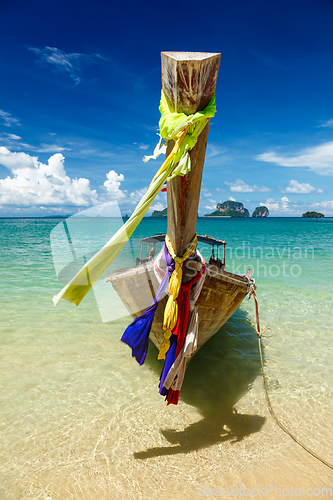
260, 335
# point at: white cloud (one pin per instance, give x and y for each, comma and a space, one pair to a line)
112, 185
277, 206
231, 198
136, 196
50, 148
270, 204
8, 119
65, 62
329, 124
240, 186
13, 137
42, 148
301, 188
318, 158
158, 206
326, 206
206, 192
34, 184
285, 202
16, 160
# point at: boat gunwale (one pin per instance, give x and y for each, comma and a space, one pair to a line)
212, 272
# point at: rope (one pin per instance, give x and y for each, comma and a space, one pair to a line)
260, 335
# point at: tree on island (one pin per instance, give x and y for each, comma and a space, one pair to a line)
229, 209
317, 215
160, 213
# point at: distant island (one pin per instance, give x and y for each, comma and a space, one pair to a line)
261, 212
160, 213
313, 214
229, 209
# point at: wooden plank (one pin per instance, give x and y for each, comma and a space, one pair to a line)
189, 81
131, 274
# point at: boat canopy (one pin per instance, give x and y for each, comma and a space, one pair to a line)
202, 239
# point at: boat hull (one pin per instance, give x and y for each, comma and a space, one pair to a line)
221, 295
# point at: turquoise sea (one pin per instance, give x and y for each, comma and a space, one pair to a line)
79, 419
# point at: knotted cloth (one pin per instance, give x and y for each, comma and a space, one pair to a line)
136, 335
178, 337
185, 130
171, 308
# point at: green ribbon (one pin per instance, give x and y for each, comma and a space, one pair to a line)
171, 126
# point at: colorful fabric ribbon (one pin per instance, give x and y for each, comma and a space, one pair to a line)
183, 337
136, 335
178, 337
175, 376
171, 309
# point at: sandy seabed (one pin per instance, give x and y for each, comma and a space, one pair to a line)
111, 443
181, 456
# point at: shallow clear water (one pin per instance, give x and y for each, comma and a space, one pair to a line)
80, 419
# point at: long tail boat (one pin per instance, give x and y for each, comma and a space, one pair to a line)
188, 81
221, 294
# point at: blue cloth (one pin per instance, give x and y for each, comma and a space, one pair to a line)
168, 362
136, 335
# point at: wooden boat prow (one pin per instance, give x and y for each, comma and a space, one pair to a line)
188, 81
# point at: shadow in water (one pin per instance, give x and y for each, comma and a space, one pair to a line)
216, 378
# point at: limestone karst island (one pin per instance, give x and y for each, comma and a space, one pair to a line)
226, 209
317, 215
236, 209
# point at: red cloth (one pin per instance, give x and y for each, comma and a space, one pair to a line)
183, 301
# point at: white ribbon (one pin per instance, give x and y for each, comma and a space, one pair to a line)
159, 149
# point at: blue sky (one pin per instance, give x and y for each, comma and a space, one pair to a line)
79, 93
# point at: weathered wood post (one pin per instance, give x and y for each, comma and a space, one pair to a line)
189, 81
